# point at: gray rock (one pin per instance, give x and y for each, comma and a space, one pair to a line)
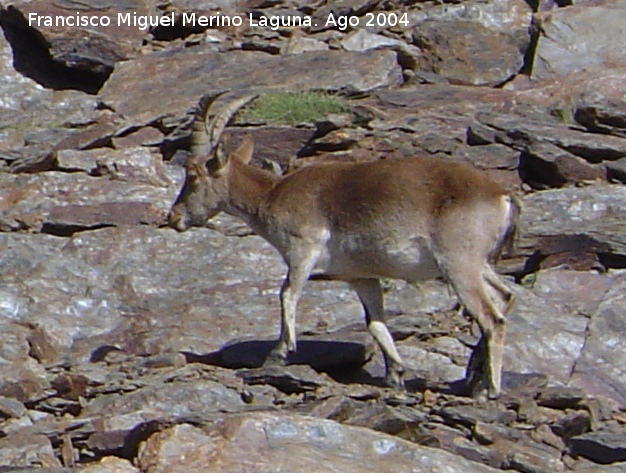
27, 451
582, 219
616, 171
36, 469
456, 441
66, 219
600, 106
468, 53
426, 366
615, 468
401, 421
439, 114
301, 44
50, 191
534, 458
519, 133
14, 346
34, 120
288, 379
571, 425
573, 291
165, 401
488, 434
491, 156
132, 277
470, 416
24, 380
109, 465
146, 136
560, 397
458, 38
304, 443
538, 331
363, 40
10, 407
580, 37
135, 164
601, 447
599, 370
553, 153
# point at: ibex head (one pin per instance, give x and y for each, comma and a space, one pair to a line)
206, 181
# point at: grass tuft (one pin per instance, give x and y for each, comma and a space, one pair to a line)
293, 108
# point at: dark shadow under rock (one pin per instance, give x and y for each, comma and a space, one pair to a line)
32, 58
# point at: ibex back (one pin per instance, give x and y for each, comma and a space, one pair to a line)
413, 219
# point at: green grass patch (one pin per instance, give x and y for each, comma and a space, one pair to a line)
293, 108
564, 115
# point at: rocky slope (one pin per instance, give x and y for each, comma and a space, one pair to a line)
129, 347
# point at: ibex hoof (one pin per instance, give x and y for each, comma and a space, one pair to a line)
275, 359
395, 380
480, 390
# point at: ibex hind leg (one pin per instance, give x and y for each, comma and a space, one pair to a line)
371, 297
485, 364
496, 282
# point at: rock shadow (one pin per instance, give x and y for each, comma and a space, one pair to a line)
321, 355
32, 58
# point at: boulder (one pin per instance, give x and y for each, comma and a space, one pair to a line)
27, 451
599, 370
468, 53
601, 447
579, 38
35, 120
91, 38
473, 43
538, 331
574, 220
57, 201
273, 442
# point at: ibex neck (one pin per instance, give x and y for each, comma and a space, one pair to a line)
248, 188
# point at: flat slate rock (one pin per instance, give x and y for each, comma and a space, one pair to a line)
141, 90
282, 442
288, 379
601, 447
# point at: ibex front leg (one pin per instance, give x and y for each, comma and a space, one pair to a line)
300, 267
371, 296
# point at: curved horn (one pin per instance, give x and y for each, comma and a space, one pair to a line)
218, 123
200, 146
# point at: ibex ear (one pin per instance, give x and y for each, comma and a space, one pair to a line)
244, 152
218, 163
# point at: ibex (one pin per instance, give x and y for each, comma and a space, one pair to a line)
413, 219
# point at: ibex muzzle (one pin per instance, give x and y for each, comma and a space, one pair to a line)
413, 219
